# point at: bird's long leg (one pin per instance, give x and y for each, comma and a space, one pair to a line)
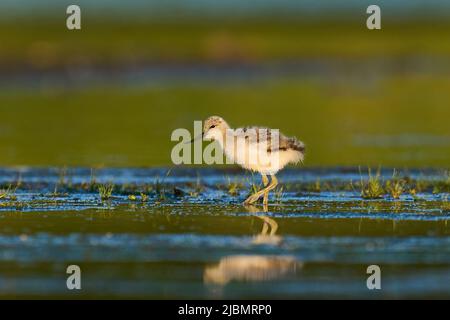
265, 180
266, 193
270, 187
254, 197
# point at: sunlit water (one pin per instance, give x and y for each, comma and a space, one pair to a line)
207, 245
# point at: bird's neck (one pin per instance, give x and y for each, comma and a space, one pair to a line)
223, 140
227, 142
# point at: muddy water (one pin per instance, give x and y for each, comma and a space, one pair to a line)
205, 244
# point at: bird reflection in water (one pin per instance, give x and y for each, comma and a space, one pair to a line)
254, 267
266, 236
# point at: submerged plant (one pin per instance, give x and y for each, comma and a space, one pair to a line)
397, 206
144, 197
8, 193
413, 193
105, 191
159, 187
254, 187
197, 188
316, 186
445, 203
421, 185
279, 194
62, 172
177, 192
442, 185
233, 187
373, 189
193, 193
395, 186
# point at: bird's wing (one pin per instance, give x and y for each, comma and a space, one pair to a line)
269, 138
291, 143
255, 135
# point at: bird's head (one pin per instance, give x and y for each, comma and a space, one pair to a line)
214, 128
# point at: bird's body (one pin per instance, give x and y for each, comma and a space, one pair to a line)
253, 150
257, 149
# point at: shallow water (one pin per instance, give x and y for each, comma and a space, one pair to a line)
205, 244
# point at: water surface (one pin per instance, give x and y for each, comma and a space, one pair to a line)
207, 245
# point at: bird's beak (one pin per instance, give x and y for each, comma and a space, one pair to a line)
199, 137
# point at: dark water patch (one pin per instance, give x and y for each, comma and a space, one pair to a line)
184, 247
215, 220
359, 73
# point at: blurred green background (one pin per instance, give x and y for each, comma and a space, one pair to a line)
112, 93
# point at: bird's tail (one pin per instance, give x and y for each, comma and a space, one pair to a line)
298, 146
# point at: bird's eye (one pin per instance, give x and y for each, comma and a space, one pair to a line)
213, 126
